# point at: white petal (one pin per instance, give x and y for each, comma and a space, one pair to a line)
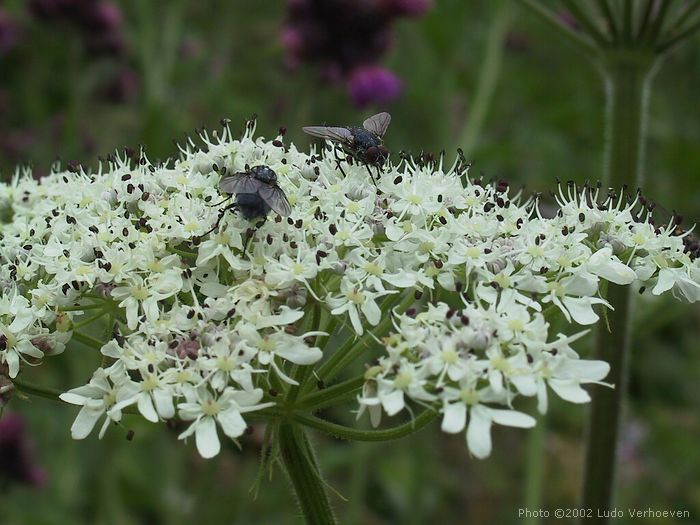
512, 418
232, 423
479, 432
583, 370
665, 282
375, 415
12, 359
132, 312
454, 418
525, 384
372, 312
392, 402
604, 264
206, 438
150, 308
247, 397
300, 354
145, 405
86, 419
581, 309
164, 403
496, 381
569, 390
22, 320
541, 397
355, 320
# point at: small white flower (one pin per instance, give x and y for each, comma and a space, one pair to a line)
206, 411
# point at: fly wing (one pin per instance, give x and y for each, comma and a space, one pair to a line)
336, 134
378, 123
239, 183
275, 199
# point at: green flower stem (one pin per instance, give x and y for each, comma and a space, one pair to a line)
344, 358
671, 42
90, 320
604, 8
355, 434
627, 78
39, 391
644, 25
301, 467
303, 372
332, 395
81, 308
586, 23
339, 360
181, 253
88, 341
583, 42
658, 21
488, 77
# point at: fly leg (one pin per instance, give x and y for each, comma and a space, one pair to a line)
222, 212
250, 233
337, 161
221, 202
372, 176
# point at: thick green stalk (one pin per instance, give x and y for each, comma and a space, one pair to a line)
303, 472
627, 78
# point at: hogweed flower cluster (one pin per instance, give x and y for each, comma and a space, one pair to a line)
444, 285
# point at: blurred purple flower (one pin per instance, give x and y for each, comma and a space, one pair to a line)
48, 9
338, 33
100, 21
191, 47
406, 7
10, 32
104, 16
566, 18
348, 39
123, 87
373, 85
16, 453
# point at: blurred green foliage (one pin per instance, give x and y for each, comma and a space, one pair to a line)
195, 62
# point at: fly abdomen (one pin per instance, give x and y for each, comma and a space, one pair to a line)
251, 205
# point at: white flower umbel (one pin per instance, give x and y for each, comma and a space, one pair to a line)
456, 279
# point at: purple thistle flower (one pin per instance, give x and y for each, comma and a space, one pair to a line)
373, 85
16, 453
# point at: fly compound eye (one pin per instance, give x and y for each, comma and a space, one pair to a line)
372, 154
